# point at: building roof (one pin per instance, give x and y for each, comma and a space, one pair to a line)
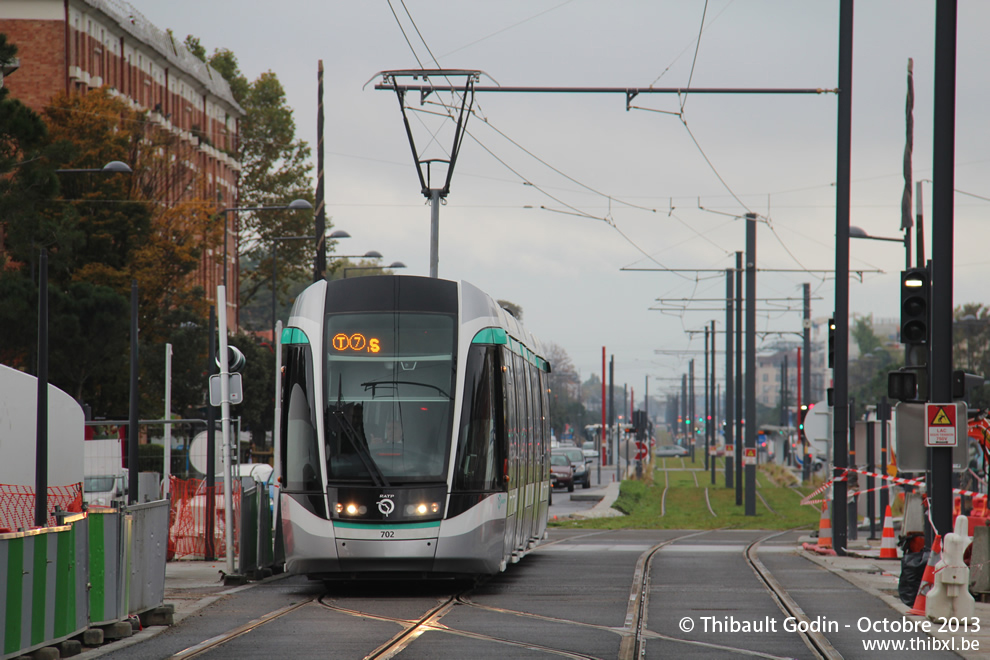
135, 24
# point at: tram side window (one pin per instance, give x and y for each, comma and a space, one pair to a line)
302, 459
479, 457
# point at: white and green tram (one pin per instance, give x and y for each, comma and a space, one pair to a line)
413, 433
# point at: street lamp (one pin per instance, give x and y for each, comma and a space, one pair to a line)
294, 205
859, 232
113, 167
394, 264
41, 423
338, 234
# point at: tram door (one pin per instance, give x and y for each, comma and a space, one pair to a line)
524, 411
539, 453
512, 458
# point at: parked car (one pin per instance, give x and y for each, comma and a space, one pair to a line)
582, 472
561, 472
671, 450
590, 450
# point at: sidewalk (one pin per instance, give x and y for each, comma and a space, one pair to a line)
861, 568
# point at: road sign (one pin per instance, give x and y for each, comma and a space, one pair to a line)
941, 425
236, 389
749, 456
730, 451
641, 451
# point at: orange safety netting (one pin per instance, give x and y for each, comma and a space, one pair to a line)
187, 534
17, 505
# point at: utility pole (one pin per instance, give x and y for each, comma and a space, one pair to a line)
708, 419
943, 176
740, 413
729, 377
611, 414
750, 503
713, 423
691, 403
806, 374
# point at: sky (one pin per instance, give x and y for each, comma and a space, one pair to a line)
556, 197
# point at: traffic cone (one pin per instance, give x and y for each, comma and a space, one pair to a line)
928, 579
825, 528
888, 546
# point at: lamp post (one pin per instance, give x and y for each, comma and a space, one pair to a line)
859, 232
338, 234
294, 205
394, 264
41, 420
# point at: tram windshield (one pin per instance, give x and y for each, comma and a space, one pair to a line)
389, 396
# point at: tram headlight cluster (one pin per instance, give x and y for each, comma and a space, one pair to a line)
422, 509
351, 509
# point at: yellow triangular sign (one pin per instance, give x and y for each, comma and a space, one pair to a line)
941, 419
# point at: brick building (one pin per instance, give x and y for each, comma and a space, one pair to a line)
74, 46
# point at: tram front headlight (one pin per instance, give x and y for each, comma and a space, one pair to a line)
351, 509
422, 509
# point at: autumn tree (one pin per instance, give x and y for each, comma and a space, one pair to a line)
276, 170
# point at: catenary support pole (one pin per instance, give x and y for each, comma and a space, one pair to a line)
708, 419
729, 377
750, 494
843, 162
713, 422
740, 413
320, 267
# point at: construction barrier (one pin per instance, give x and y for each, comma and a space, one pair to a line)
17, 505
149, 545
110, 534
257, 551
43, 577
187, 536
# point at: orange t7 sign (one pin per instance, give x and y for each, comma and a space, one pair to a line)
941, 425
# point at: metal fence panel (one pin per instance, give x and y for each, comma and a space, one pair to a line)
149, 552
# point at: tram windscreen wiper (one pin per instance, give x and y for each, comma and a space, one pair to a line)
373, 385
360, 448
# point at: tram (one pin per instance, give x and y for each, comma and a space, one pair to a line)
413, 432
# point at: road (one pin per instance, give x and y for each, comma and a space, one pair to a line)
583, 594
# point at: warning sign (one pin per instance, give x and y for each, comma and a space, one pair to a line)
730, 451
749, 456
941, 425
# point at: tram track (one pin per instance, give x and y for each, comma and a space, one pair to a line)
816, 641
633, 646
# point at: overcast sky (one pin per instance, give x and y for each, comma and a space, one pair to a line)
534, 164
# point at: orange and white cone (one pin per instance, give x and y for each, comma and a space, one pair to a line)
888, 546
825, 528
928, 579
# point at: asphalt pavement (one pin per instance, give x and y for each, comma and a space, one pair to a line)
191, 586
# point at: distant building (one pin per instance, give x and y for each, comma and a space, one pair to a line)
74, 46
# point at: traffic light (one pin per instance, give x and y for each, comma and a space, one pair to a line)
802, 413
915, 291
235, 359
831, 343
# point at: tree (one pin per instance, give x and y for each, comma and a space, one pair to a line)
512, 308
276, 170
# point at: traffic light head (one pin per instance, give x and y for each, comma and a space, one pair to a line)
831, 343
915, 291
